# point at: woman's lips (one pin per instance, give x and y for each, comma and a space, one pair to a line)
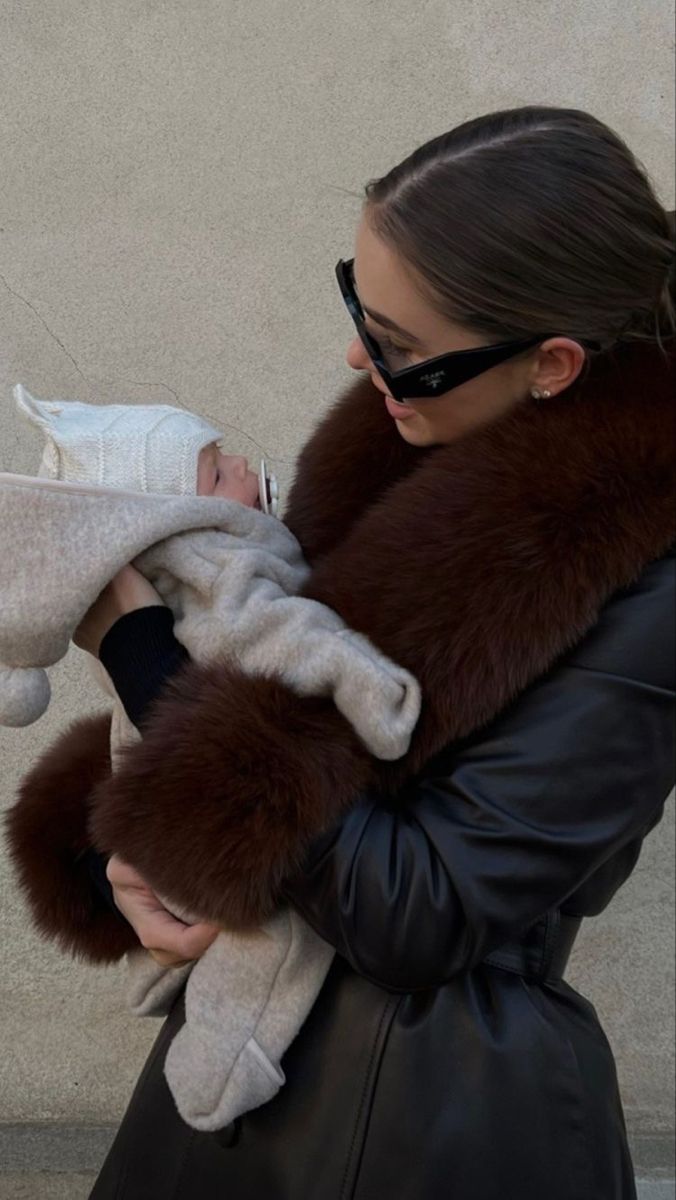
399, 411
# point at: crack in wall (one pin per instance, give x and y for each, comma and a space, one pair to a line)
43, 322
136, 382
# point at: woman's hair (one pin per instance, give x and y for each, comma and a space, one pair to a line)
531, 220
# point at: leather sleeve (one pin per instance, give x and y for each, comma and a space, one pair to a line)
519, 818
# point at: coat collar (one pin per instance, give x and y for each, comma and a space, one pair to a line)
477, 564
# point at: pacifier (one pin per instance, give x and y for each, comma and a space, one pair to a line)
268, 490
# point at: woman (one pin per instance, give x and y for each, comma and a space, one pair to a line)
502, 524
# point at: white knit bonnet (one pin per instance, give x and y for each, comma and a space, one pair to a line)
136, 447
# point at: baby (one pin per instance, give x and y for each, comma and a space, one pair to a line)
152, 483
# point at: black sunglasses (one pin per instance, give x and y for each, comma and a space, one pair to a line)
436, 375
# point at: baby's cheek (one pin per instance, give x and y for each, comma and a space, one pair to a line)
225, 490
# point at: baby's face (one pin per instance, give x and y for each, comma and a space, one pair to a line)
226, 475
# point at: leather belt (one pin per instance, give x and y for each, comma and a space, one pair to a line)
543, 951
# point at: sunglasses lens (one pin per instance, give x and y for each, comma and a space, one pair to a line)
357, 313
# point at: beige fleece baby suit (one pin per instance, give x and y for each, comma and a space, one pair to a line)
230, 574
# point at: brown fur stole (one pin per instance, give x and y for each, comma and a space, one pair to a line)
47, 832
475, 565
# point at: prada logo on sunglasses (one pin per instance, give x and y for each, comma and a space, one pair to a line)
433, 378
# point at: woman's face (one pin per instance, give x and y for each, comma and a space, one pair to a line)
387, 286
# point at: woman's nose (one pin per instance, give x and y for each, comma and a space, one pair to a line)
356, 355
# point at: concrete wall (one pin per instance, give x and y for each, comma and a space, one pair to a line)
176, 184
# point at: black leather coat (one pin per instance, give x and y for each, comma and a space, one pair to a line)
429, 1069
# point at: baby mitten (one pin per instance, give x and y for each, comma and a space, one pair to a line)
245, 1001
151, 988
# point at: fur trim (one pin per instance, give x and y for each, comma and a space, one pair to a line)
47, 829
353, 456
475, 565
233, 812
494, 556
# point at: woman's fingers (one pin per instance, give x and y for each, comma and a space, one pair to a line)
186, 948
121, 874
170, 942
165, 959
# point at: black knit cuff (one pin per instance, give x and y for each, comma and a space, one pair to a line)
140, 653
96, 864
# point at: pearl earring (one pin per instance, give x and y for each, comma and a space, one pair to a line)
538, 395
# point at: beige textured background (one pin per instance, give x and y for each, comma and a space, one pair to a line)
177, 182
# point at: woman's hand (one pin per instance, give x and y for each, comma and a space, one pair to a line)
170, 942
127, 591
